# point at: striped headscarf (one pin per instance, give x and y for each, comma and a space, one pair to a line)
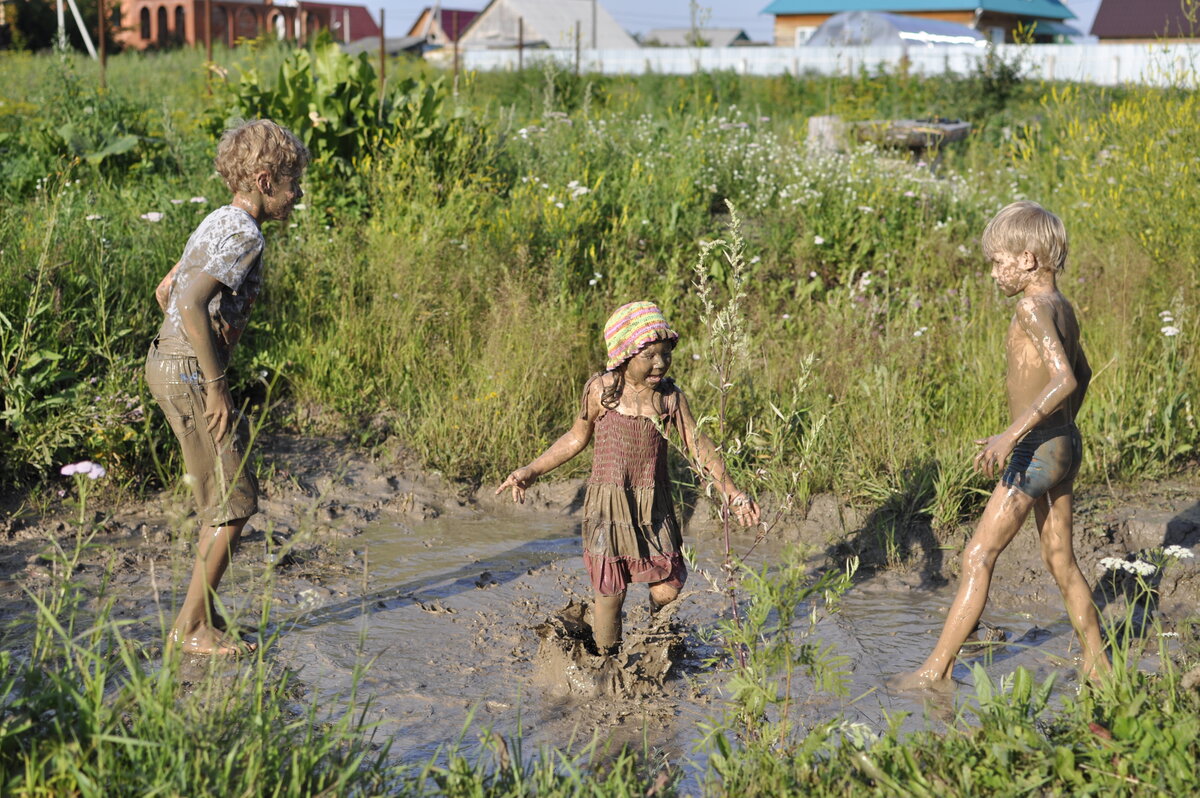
632, 327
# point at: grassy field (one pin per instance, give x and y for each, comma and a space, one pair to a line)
446, 282
445, 285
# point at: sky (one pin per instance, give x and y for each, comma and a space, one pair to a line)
636, 16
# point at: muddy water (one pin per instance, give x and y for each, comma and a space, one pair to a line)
445, 629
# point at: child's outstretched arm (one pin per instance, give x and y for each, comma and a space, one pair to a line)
1037, 323
704, 453
572, 443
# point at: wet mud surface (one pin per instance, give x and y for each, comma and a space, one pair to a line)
456, 611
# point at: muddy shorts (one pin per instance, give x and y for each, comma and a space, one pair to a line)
219, 474
1043, 459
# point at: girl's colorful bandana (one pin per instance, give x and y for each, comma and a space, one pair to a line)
632, 327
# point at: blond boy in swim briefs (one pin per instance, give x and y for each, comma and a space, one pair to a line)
1048, 376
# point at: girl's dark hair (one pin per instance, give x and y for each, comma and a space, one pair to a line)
612, 394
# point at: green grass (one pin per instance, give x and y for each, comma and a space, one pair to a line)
440, 295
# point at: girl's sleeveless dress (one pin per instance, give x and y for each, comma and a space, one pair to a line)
630, 532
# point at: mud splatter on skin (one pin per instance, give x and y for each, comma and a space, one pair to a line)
567, 663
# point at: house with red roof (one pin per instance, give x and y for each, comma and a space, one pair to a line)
441, 26
795, 20
162, 23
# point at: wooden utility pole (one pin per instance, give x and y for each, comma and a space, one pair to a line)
520, 43
577, 34
382, 62
456, 66
102, 25
208, 45
593, 24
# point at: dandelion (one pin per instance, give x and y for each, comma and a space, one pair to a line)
1178, 552
152, 216
202, 201
818, 240
1170, 331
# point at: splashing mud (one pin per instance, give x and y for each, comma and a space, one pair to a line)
566, 663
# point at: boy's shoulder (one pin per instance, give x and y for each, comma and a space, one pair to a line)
225, 222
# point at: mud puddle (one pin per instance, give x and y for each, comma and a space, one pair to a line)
461, 625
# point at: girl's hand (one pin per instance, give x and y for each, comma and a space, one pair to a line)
518, 480
995, 452
745, 510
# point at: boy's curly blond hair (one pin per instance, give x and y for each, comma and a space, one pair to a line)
252, 147
1025, 225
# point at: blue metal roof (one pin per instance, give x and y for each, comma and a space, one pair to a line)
1045, 9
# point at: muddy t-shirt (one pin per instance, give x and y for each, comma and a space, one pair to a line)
228, 247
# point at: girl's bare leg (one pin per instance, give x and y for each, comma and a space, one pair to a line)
196, 629
1053, 515
606, 622
1002, 519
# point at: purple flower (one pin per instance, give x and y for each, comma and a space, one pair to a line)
84, 468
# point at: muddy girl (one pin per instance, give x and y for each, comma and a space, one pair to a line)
1048, 376
630, 530
206, 300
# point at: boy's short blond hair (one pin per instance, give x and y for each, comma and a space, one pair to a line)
252, 147
1025, 225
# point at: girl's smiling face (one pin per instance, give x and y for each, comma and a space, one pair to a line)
649, 366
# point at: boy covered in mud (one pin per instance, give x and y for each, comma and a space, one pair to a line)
206, 300
1048, 376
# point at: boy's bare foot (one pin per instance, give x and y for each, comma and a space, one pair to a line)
918, 681
213, 642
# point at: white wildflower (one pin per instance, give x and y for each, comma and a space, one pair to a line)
1170, 331
152, 216
1178, 552
818, 240
1142, 568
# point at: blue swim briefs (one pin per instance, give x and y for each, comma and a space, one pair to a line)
1043, 459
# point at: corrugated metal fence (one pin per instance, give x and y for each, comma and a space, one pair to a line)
1105, 64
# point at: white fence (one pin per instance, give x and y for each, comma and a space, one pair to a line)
1105, 64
